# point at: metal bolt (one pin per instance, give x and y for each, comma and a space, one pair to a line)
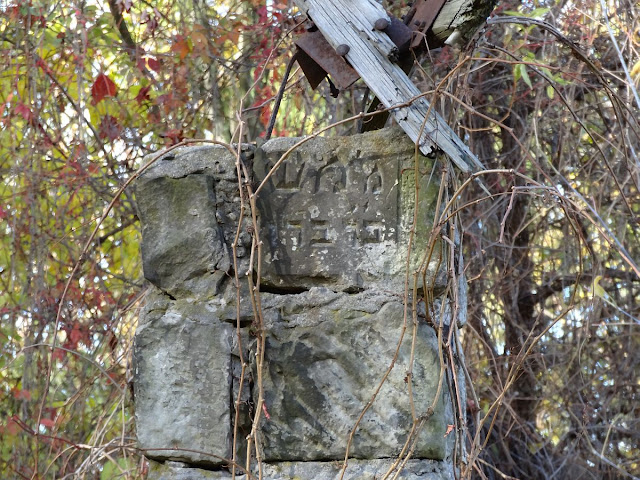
381, 24
342, 50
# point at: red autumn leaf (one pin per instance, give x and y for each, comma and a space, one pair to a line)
24, 111
12, 428
113, 377
265, 115
169, 102
59, 354
181, 47
175, 135
93, 168
109, 128
143, 95
103, 87
150, 62
14, 12
75, 335
154, 64
20, 394
262, 14
47, 422
200, 43
41, 63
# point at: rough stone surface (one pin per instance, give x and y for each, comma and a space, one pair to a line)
182, 380
338, 212
188, 205
356, 470
325, 355
181, 471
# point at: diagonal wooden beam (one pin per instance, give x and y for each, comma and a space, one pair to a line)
351, 23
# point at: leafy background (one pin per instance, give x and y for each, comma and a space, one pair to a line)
546, 94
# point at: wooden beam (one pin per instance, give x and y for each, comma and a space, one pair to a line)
351, 23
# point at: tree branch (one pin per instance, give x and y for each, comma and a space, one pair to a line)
121, 25
560, 283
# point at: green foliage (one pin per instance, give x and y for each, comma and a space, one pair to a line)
82, 101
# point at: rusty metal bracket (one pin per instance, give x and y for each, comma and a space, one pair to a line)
400, 34
314, 72
318, 58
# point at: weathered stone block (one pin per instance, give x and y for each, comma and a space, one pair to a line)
188, 204
183, 359
336, 221
339, 211
177, 471
325, 355
356, 470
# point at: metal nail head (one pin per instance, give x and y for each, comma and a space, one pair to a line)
381, 24
342, 50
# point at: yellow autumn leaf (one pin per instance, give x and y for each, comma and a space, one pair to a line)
635, 72
598, 291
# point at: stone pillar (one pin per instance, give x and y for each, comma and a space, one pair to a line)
335, 222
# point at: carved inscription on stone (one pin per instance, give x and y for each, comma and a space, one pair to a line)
328, 215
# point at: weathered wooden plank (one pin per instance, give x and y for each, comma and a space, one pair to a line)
351, 22
362, 15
